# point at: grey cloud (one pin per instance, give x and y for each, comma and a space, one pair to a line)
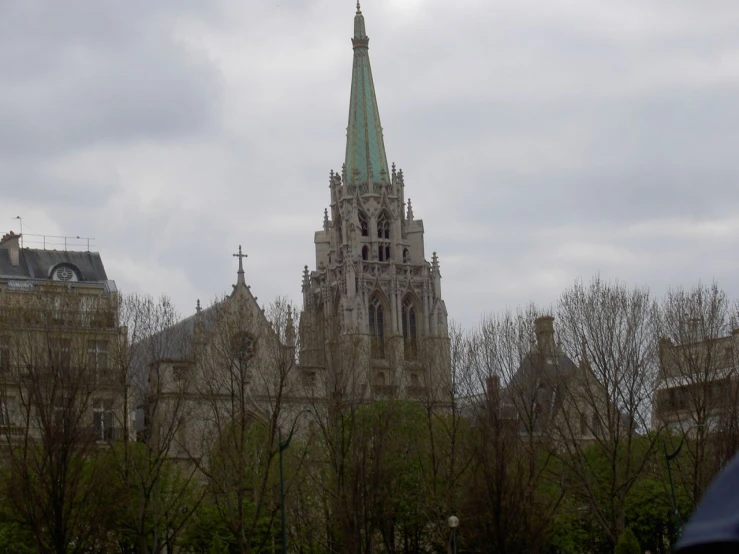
540, 140
84, 73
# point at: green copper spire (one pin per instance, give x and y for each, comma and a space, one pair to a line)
365, 150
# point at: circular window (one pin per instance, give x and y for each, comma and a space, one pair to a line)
64, 273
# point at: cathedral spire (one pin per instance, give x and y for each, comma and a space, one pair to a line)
365, 150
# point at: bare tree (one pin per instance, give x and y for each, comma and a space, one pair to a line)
159, 493
509, 375
58, 404
602, 430
697, 397
244, 374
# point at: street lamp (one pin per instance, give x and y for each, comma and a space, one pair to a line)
282, 446
453, 524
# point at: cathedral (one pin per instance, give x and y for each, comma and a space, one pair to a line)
373, 301
373, 324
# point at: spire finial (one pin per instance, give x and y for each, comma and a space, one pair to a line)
198, 309
359, 10
240, 279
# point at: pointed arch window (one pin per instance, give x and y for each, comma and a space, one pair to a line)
410, 332
365, 252
364, 224
376, 329
242, 348
383, 227
383, 237
406, 256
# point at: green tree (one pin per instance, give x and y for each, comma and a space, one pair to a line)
627, 543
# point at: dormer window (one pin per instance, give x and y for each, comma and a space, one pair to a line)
65, 272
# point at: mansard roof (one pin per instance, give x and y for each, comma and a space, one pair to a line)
38, 264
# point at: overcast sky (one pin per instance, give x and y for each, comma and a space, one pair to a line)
541, 140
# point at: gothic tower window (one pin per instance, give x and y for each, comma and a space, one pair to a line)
406, 256
410, 337
364, 224
383, 237
376, 330
365, 252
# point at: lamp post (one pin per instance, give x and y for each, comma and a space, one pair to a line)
282, 446
453, 524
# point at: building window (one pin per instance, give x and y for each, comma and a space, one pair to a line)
406, 256
97, 357
364, 224
61, 355
243, 347
583, 424
415, 382
596, 425
380, 379
383, 238
7, 410
376, 331
365, 252
179, 373
102, 420
59, 415
65, 272
410, 337
4, 354
309, 379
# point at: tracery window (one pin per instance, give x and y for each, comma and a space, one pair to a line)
376, 329
242, 347
410, 336
383, 237
364, 224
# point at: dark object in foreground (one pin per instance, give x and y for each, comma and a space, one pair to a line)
714, 527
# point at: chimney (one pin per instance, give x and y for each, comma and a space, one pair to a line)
545, 334
11, 242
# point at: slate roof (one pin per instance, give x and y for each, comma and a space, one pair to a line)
37, 264
544, 378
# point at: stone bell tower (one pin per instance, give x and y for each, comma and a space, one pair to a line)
372, 307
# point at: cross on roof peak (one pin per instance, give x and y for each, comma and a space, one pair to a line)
241, 257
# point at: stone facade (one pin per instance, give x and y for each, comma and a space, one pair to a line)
698, 383
59, 341
372, 290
